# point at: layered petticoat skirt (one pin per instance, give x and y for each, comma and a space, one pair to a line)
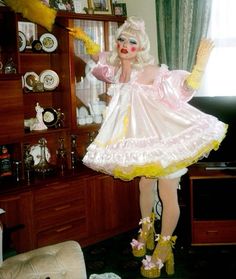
143, 135
154, 157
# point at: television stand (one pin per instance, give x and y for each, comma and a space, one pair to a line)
212, 206
217, 165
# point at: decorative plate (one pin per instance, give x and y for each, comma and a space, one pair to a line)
35, 151
29, 79
22, 41
50, 79
50, 117
49, 42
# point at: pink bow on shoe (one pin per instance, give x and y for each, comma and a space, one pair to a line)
146, 220
148, 264
136, 244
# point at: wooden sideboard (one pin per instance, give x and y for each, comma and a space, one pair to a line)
212, 206
85, 206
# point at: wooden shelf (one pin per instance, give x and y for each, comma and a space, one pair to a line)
212, 210
10, 77
96, 17
58, 206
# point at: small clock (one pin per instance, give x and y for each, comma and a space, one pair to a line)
50, 117
36, 46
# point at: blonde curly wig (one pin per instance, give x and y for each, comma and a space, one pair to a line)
133, 26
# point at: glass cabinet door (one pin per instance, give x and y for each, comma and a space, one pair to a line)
89, 91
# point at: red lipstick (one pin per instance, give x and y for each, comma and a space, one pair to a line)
123, 50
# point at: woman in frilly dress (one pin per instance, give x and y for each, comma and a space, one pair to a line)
150, 131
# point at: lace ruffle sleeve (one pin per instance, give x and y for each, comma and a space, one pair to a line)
170, 88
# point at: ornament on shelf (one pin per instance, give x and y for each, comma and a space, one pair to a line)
5, 162
17, 170
74, 154
61, 156
10, 67
43, 167
28, 163
39, 124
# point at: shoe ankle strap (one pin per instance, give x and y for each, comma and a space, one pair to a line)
145, 220
148, 219
166, 239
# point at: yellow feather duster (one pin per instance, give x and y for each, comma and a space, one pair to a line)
34, 11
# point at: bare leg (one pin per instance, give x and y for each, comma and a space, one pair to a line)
170, 212
170, 215
146, 233
146, 198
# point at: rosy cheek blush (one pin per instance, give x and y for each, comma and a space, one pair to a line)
133, 49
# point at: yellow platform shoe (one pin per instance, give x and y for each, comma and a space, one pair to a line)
146, 237
162, 256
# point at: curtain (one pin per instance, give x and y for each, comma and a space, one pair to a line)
180, 26
219, 76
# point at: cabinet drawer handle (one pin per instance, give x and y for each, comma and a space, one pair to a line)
212, 232
63, 229
62, 207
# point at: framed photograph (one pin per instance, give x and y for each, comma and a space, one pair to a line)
101, 6
29, 29
119, 9
80, 6
62, 5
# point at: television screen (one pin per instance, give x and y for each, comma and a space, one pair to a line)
224, 108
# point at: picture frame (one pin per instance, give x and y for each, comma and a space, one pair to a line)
80, 6
30, 31
103, 7
62, 5
119, 9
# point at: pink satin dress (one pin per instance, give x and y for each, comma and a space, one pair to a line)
150, 130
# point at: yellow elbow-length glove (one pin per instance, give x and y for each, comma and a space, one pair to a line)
193, 81
91, 47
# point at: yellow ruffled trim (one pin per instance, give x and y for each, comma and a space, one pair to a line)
156, 170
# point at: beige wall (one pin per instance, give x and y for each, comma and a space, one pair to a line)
147, 10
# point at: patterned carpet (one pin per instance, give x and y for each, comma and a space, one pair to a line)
114, 255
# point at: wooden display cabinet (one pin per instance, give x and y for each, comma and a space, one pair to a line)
18, 208
18, 104
78, 204
212, 204
86, 207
